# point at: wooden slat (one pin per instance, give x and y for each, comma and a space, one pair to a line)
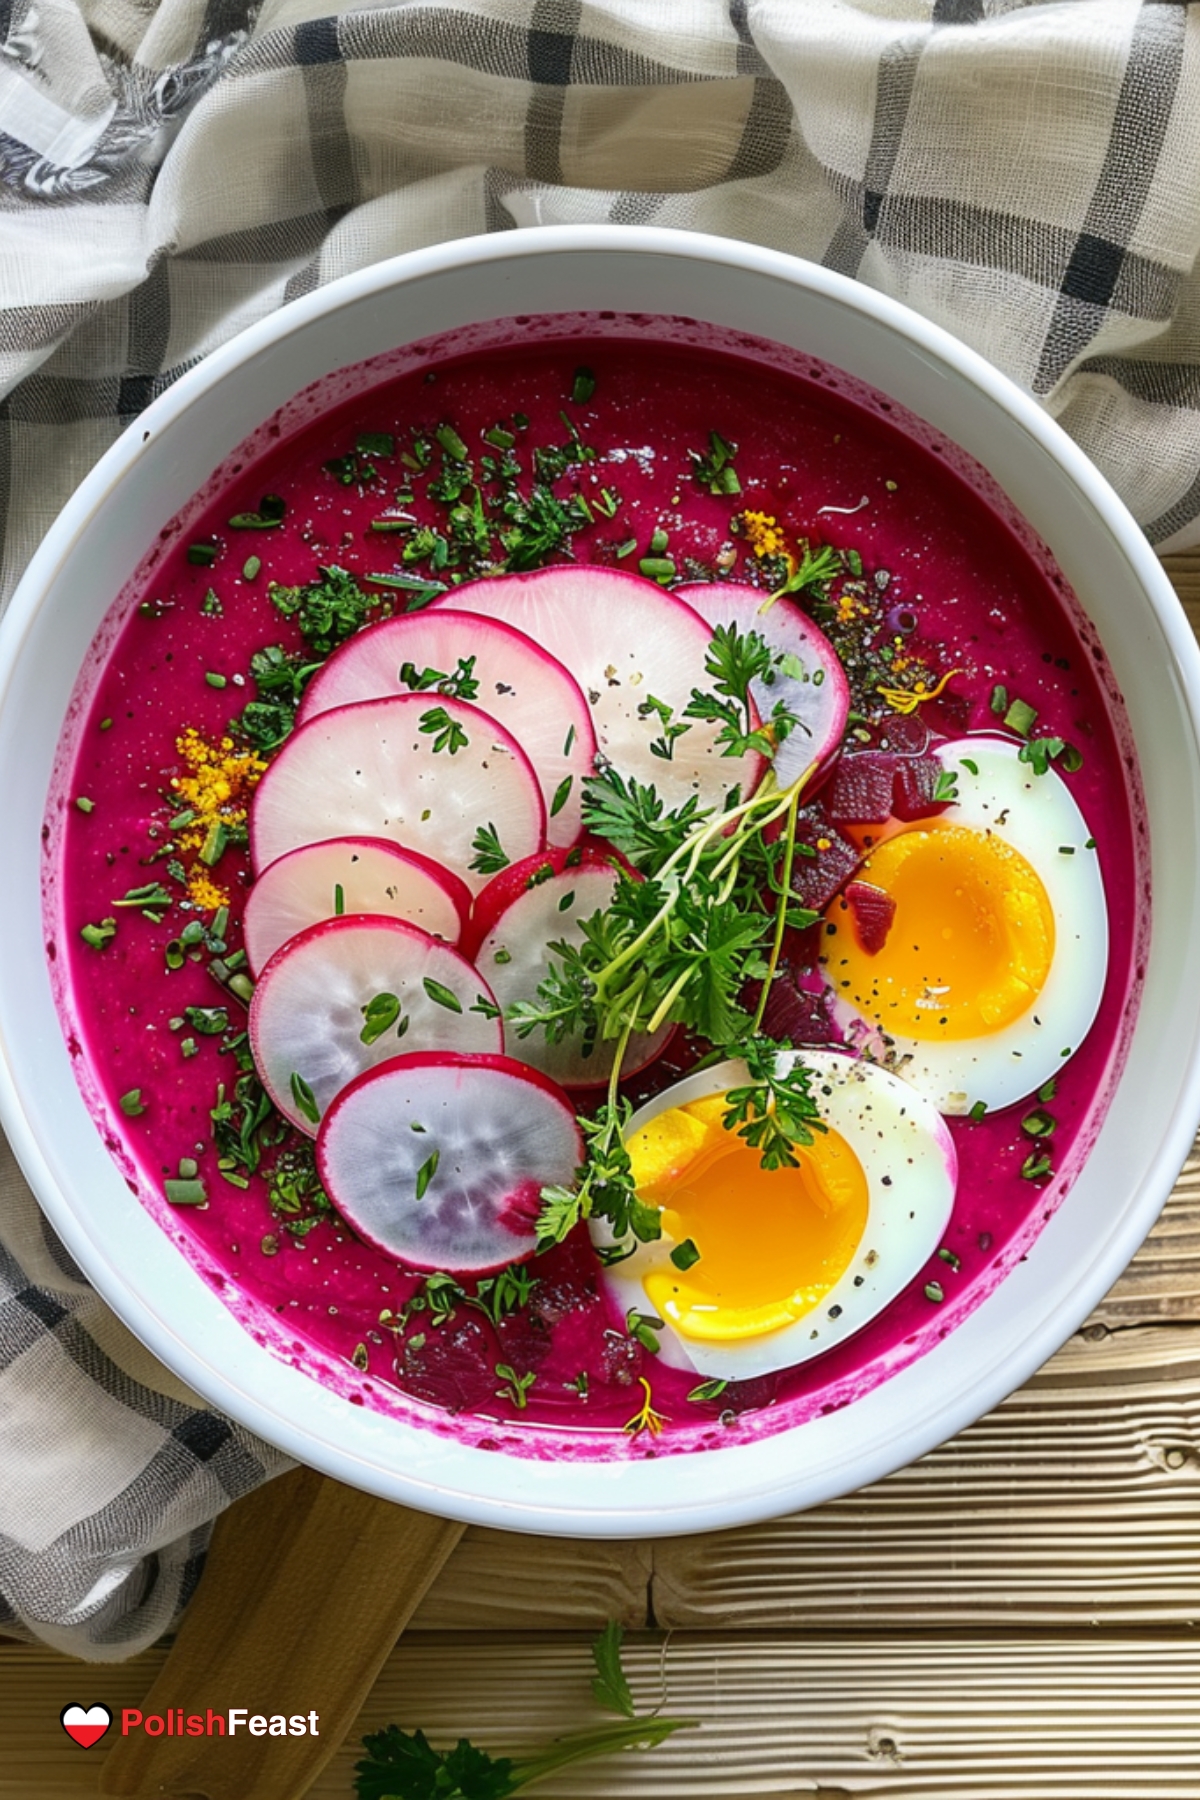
1076, 1503
500, 1580
824, 1717
1163, 1281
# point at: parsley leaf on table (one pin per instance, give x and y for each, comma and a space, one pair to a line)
403, 1765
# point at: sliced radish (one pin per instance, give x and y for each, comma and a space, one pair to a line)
819, 695
364, 974
626, 641
441, 1160
382, 769
350, 875
518, 916
515, 681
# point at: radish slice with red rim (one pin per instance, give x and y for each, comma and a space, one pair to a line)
350, 875
627, 642
518, 916
818, 694
421, 770
506, 673
440, 1160
353, 992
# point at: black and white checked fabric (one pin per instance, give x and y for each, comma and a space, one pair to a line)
1026, 172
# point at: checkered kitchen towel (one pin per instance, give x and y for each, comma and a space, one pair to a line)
1026, 172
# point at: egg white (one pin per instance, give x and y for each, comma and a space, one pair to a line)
1038, 816
911, 1170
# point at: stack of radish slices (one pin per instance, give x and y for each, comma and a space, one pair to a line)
418, 846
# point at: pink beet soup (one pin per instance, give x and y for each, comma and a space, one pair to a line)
144, 904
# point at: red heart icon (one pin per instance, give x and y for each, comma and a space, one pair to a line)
87, 1725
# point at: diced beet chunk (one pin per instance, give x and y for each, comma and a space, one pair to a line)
916, 786
871, 910
825, 860
796, 1013
453, 1368
904, 734
860, 792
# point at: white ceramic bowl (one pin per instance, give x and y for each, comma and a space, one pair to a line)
150, 474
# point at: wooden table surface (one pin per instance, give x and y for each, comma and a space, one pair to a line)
1013, 1616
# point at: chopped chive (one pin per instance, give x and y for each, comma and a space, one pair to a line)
442, 996
188, 1047
209, 1021
521, 421
271, 511
426, 1173
375, 443
1089, 843
214, 680
106, 725
1039, 1123
339, 900
451, 443
967, 763
1071, 759
181, 819
568, 740
1048, 1089
502, 955
978, 1111
1036, 1167
131, 1103
657, 568
84, 804
305, 1099
999, 701
626, 549
935, 1292
202, 555
658, 541
189, 1168
949, 1258
241, 985
499, 438
379, 1015
708, 1390
213, 847
174, 954
188, 1192
98, 936
1021, 717
685, 1255
251, 567
211, 606
562, 794
583, 387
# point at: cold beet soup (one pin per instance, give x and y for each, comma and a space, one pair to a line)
598, 886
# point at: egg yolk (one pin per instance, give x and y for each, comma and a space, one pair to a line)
970, 943
771, 1243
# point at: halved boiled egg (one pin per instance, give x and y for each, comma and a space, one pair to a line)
979, 941
759, 1269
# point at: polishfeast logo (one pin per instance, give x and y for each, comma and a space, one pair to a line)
88, 1724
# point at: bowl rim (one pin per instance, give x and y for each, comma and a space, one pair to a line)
442, 1480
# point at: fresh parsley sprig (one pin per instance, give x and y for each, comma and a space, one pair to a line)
403, 1765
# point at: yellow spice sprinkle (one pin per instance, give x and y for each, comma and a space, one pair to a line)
216, 786
763, 534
